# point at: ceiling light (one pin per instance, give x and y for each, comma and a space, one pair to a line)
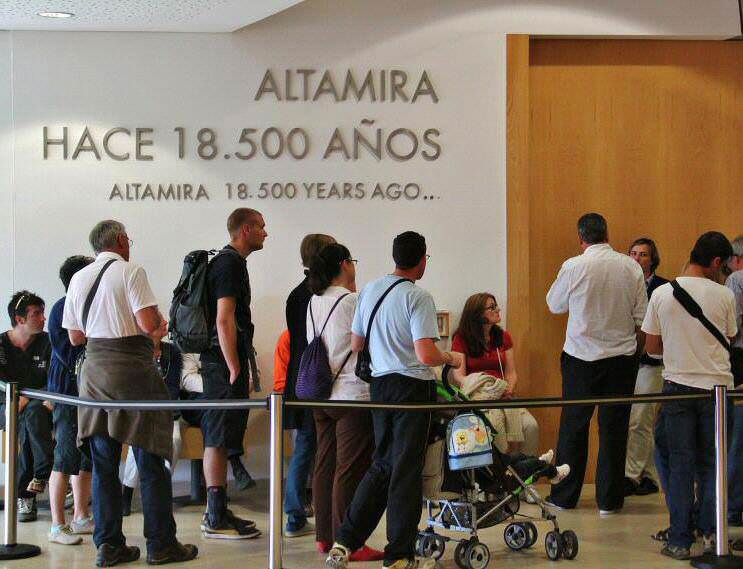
56, 14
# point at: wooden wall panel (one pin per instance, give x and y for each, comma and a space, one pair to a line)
648, 133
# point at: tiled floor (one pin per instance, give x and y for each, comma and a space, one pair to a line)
616, 542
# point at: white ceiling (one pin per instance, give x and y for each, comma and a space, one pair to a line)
139, 15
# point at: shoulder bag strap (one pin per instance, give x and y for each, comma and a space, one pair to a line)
376, 308
56, 355
91, 294
693, 308
340, 369
337, 302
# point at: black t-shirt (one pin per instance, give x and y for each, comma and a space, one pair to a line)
228, 277
29, 368
296, 322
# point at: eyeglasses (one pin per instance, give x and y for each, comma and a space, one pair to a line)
355, 261
493, 308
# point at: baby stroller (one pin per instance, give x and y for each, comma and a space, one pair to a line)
469, 485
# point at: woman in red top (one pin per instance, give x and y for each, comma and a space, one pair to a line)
488, 348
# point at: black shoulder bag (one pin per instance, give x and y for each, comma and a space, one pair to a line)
363, 362
693, 308
86, 310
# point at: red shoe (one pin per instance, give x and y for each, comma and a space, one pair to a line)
323, 546
366, 553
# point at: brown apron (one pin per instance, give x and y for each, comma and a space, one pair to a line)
123, 369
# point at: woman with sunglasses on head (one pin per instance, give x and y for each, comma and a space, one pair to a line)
345, 437
488, 349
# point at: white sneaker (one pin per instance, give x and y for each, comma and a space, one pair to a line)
548, 456
83, 526
604, 513
562, 473
337, 557
27, 509
64, 536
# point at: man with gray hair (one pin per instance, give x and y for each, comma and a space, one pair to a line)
111, 308
603, 293
735, 478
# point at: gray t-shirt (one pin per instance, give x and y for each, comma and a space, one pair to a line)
407, 314
735, 283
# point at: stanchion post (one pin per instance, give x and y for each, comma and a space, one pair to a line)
10, 548
276, 408
722, 558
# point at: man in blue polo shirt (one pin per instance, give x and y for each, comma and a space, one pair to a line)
402, 344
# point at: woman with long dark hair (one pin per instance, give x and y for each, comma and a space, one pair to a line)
488, 348
345, 437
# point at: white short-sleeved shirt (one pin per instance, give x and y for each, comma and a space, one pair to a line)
124, 290
407, 314
337, 340
691, 354
604, 293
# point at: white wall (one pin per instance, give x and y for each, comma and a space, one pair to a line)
7, 259
209, 80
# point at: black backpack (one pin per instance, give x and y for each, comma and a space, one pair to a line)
189, 325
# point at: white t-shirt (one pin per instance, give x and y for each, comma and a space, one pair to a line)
604, 293
691, 354
124, 290
337, 340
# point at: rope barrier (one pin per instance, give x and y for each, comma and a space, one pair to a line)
275, 404
263, 403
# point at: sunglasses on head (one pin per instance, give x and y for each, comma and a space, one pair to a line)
20, 301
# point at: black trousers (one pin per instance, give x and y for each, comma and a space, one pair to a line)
601, 378
394, 481
35, 446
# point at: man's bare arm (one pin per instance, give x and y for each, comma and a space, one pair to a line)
227, 334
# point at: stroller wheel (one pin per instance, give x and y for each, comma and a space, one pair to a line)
477, 555
516, 536
569, 544
430, 545
459, 558
553, 545
533, 533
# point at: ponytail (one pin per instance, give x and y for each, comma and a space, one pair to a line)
326, 266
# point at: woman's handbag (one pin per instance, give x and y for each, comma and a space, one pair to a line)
363, 362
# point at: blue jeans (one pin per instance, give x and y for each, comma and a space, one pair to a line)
691, 454
157, 495
735, 465
305, 445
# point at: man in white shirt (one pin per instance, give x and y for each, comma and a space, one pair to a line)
735, 462
695, 361
604, 294
111, 308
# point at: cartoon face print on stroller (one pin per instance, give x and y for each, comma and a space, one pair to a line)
469, 485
